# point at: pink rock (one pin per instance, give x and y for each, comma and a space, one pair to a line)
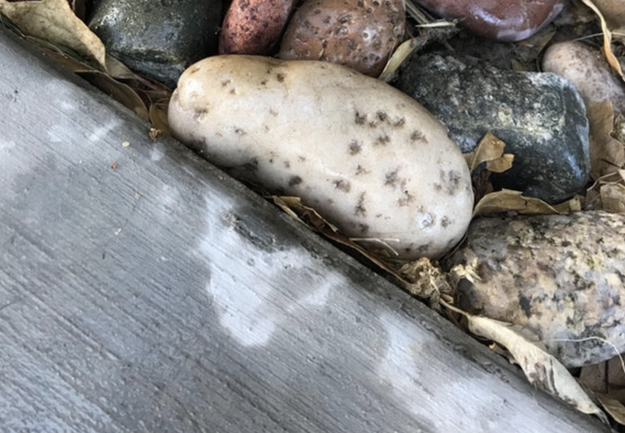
503, 20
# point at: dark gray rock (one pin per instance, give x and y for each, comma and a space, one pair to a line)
158, 39
560, 278
539, 116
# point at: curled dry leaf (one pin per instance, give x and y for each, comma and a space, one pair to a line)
614, 407
607, 154
54, 21
509, 200
607, 383
121, 92
158, 117
607, 39
607, 193
541, 369
613, 198
614, 13
606, 377
490, 150
401, 53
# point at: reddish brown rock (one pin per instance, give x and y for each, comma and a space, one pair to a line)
360, 34
560, 278
254, 26
510, 20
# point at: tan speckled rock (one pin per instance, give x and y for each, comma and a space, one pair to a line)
560, 277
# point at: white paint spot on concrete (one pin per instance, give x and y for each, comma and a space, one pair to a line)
101, 132
157, 153
57, 133
257, 291
7, 145
169, 197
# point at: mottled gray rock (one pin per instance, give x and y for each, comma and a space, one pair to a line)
539, 116
158, 39
558, 277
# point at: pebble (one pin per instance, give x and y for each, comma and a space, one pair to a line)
539, 116
510, 20
588, 71
158, 39
361, 34
557, 277
254, 26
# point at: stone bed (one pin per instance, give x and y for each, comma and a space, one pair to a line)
142, 290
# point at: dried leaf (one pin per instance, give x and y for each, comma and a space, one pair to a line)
500, 164
598, 192
54, 21
607, 39
61, 55
614, 13
614, 407
607, 377
122, 93
489, 150
541, 369
508, 200
158, 118
117, 69
398, 57
613, 198
607, 154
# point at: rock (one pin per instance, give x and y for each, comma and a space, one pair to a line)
559, 277
360, 34
158, 39
254, 26
510, 20
540, 117
367, 157
588, 71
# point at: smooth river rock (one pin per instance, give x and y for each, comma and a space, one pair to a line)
510, 20
587, 69
540, 117
561, 278
158, 39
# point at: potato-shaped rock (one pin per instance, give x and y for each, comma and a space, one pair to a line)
360, 34
588, 71
367, 157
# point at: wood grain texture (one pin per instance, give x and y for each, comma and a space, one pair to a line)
161, 296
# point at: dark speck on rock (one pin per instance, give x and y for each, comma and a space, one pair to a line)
391, 178
382, 140
294, 181
418, 136
342, 185
354, 147
360, 207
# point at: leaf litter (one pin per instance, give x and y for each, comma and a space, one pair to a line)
54, 28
